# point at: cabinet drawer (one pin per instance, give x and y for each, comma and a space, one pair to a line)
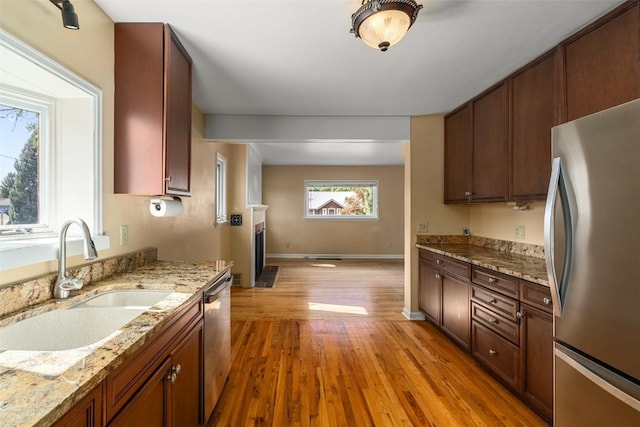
496, 354
503, 326
536, 295
446, 265
427, 257
498, 282
499, 303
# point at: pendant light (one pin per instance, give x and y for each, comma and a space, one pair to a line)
382, 23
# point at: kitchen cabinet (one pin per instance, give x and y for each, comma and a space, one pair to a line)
489, 130
171, 396
152, 128
86, 413
444, 295
600, 64
536, 363
144, 382
457, 155
532, 115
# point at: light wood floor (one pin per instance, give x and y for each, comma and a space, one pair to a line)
328, 346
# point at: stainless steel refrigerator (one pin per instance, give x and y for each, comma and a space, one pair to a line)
592, 248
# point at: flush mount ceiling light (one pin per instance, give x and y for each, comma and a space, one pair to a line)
69, 16
382, 23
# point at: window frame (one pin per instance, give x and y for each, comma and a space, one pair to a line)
46, 108
221, 213
341, 183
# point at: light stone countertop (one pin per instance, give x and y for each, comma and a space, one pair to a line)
524, 267
37, 388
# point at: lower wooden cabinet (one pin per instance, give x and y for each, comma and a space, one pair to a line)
86, 413
171, 396
497, 354
537, 360
430, 292
455, 310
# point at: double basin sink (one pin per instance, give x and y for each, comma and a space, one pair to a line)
79, 325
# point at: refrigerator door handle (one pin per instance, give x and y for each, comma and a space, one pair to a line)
608, 381
558, 187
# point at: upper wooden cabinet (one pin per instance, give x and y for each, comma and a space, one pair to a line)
457, 155
490, 145
532, 116
152, 146
599, 66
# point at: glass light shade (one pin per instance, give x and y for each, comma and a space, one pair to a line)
386, 26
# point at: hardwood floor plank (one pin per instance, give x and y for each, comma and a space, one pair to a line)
350, 358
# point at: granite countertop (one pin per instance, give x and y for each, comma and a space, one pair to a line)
37, 387
524, 267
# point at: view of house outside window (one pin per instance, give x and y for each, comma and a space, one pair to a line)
341, 199
19, 136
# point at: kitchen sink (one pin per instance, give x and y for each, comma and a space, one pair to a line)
129, 299
80, 325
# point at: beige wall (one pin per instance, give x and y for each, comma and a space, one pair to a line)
498, 221
288, 233
424, 187
89, 53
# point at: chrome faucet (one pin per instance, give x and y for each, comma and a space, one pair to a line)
65, 284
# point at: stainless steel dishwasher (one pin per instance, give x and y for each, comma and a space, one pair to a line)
217, 340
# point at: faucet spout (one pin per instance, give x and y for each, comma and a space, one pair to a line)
65, 284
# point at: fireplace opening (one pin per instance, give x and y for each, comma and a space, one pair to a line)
259, 249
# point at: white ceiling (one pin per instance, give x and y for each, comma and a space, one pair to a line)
297, 57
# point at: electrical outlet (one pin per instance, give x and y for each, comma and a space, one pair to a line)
423, 227
124, 235
519, 231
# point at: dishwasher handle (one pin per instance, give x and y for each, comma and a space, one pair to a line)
212, 293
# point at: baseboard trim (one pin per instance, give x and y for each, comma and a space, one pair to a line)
412, 315
341, 256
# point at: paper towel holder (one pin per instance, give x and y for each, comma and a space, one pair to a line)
154, 203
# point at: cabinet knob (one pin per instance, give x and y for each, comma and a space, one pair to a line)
437, 276
493, 320
519, 315
177, 369
546, 301
492, 352
492, 280
168, 179
438, 261
492, 300
172, 377
468, 193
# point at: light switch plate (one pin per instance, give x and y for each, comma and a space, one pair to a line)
519, 231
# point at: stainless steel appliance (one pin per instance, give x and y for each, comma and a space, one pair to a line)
592, 246
217, 340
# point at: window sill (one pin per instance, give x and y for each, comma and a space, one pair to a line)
22, 253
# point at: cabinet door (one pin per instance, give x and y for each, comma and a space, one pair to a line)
187, 387
430, 292
455, 310
537, 359
490, 145
457, 155
148, 407
601, 64
177, 116
86, 413
532, 116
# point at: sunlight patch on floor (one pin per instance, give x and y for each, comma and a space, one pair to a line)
338, 308
324, 265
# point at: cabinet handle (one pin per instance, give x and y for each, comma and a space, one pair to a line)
168, 179
437, 276
546, 301
491, 301
176, 369
519, 315
438, 261
492, 352
493, 320
172, 377
492, 280
468, 193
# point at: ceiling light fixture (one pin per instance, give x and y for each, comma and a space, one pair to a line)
382, 23
69, 16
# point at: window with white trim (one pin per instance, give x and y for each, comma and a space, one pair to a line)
341, 199
221, 189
